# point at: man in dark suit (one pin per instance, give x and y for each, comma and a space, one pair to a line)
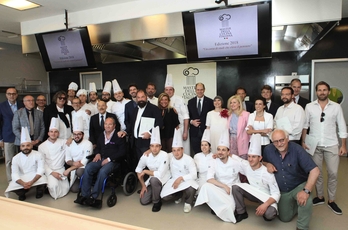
296, 85
247, 105
144, 110
271, 107
31, 118
198, 108
96, 125
7, 137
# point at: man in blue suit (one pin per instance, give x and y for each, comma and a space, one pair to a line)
7, 138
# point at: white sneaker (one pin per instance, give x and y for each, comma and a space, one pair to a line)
187, 208
178, 201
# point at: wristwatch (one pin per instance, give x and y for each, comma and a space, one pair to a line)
307, 191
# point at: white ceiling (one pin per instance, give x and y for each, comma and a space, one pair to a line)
10, 19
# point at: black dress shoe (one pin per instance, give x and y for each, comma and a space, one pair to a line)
80, 200
22, 197
39, 194
157, 207
90, 201
240, 217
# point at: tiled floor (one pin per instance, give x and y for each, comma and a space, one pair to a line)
128, 210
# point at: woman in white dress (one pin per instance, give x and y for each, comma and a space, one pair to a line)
216, 121
203, 158
260, 122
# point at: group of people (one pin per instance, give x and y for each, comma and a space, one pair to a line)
199, 152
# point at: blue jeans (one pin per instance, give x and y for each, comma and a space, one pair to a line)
91, 169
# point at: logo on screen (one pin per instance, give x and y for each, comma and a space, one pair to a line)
225, 30
63, 48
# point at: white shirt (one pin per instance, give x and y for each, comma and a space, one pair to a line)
159, 164
53, 154
202, 99
22, 165
259, 125
325, 132
137, 121
153, 100
109, 105
81, 114
90, 108
180, 106
226, 173
184, 167
78, 152
296, 116
118, 109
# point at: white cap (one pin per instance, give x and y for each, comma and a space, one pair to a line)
107, 87
92, 87
78, 124
169, 81
25, 137
206, 136
255, 145
224, 139
177, 139
116, 86
155, 136
73, 86
54, 123
81, 92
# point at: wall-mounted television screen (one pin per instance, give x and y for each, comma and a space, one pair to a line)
236, 32
66, 49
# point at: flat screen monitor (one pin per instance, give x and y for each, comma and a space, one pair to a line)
66, 49
236, 32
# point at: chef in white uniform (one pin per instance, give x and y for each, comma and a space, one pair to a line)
93, 96
106, 96
180, 106
203, 158
262, 187
89, 109
53, 150
119, 106
27, 170
157, 169
76, 155
223, 172
79, 114
183, 175
72, 88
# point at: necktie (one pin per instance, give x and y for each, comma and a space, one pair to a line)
31, 123
199, 108
102, 122
294, 99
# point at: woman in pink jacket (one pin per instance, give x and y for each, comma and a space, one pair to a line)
237, 122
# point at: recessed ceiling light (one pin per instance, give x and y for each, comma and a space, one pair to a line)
19, 4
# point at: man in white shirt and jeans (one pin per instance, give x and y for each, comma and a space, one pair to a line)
323, 115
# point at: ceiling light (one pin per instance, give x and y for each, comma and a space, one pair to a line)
19, 4
277, 27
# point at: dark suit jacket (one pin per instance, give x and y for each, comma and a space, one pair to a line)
115, 149
95, 129
128, 112
6, 116
207, 106
20, 119
51, 111
250, 107
272, 109
151, 111
303, 102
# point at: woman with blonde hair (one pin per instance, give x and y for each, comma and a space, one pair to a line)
236, 123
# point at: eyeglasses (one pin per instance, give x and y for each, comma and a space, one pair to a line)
62, 98
11, 94
322, 117
280, 141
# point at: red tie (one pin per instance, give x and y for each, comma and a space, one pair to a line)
294, 100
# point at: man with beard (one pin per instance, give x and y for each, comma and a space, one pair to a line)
93, 95
323, 118
151, 91
27, 170
290, 116
147, 116
106, 96
131, 105
295, 173
119, 106
53, 151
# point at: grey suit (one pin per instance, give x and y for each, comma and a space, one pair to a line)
20, 119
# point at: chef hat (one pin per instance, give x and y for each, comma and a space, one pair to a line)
116, 86
155, 136
255, 145
54, 123
206, 136
169, 81
81, 92
107, 87
73, 86
25, 137
224, 139
92, 87
78, 124
177, 139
